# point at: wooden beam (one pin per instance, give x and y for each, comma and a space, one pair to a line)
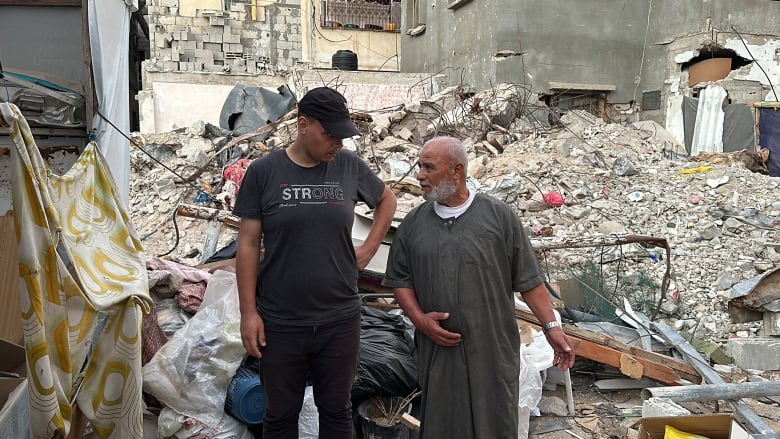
611, 346
207, 213
614, 358
89, 85
410, 422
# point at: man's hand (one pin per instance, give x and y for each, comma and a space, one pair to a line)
363, 254
253, 333
429, 325
564, 353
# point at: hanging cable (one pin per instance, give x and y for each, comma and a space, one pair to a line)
140, 147
756, 61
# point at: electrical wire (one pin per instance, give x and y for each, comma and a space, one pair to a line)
141, 148
756, 61
644, 48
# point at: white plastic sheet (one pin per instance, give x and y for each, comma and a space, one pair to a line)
191, 372
708, 132
109, 26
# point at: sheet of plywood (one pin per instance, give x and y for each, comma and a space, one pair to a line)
10, 310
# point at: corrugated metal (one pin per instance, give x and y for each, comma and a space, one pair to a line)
708, 132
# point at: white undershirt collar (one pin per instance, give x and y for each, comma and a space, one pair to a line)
446, 212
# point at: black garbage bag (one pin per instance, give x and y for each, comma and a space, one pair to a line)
386, 363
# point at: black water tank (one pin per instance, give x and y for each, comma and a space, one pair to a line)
344, 60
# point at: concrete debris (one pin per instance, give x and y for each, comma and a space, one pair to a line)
551, 405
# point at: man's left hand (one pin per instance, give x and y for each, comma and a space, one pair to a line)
564, 353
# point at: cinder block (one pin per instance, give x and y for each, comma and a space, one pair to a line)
232, 39
196, 30
187, 45
213, 47
201, 21
219, 56
170, 65
250, 34
280, 27
237, 8
184, 21
183, 66
284, 45
755, 353
216, 21
294, 37
212, 68
167, 20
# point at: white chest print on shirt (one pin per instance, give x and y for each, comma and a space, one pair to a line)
295, 194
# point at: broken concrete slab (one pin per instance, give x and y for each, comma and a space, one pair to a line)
755, 353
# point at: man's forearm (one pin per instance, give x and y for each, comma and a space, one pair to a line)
537, 299
407, 299
383, 217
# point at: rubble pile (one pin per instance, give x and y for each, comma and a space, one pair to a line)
571, 178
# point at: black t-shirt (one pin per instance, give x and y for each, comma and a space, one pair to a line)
309, 273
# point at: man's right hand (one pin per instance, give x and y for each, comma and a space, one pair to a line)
253, 333
429, 325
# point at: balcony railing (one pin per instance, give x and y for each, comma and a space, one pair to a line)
361, 15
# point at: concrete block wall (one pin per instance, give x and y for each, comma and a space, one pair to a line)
213, 40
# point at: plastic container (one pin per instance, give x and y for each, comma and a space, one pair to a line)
372, 429
245, 399
344, 60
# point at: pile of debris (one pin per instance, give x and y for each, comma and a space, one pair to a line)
625, 223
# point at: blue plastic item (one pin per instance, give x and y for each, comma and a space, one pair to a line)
245, 399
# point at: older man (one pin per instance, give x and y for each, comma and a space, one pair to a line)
454, 265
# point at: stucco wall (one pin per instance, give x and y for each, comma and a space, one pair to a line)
596, 42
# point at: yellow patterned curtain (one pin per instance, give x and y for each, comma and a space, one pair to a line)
83, 287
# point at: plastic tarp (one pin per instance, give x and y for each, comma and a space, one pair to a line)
109, 27
769, 129
708, 132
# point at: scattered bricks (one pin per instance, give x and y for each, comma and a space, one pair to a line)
213, 47
216, 21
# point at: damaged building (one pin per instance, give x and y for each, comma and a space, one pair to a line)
623, 60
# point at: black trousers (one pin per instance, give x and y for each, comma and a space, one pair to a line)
328, 354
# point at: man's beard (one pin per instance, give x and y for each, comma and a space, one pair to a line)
443, 191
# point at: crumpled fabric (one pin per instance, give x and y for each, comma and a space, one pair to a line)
83, 289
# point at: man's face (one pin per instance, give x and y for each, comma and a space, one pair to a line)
320, 146
436, 176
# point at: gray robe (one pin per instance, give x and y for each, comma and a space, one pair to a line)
468, 267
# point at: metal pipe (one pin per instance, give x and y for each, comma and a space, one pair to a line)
748, 417
712, 392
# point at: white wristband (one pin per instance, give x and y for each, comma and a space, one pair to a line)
549, 325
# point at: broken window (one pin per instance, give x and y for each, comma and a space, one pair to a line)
362, 15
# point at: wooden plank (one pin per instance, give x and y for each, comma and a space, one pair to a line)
10, 308
680, 369
207, 213
611, 357
89, 86
410, 422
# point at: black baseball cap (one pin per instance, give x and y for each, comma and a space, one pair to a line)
329, 107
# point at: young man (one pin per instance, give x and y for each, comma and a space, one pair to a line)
301, 316
454, 265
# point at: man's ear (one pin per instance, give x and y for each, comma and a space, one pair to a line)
303, 124
459, 171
